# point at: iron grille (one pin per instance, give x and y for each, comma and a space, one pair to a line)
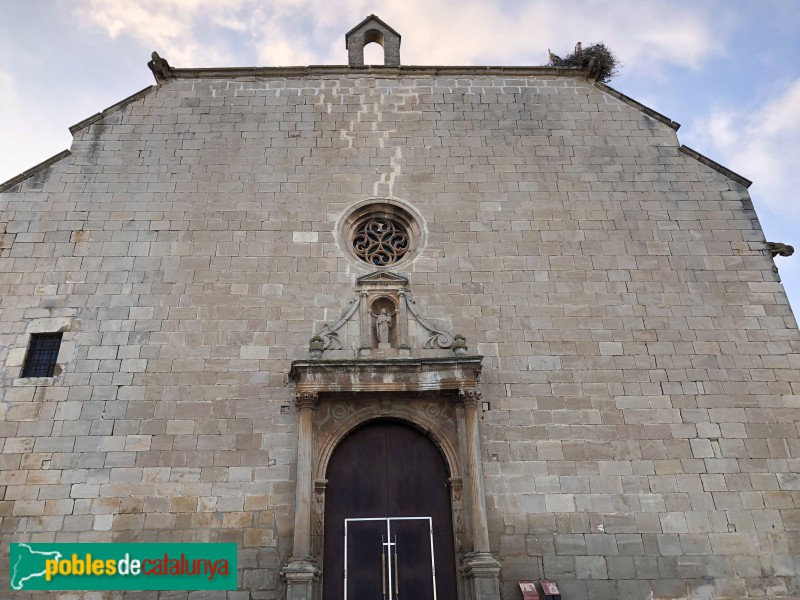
42, 355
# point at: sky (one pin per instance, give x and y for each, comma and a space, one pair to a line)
727, 70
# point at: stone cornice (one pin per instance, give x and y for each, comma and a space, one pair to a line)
7, 185
716, 166
638, 105
121, 104
371, 71
386, 375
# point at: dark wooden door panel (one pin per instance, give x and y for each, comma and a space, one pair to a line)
388, 469
365, 569
414, 566
416, 474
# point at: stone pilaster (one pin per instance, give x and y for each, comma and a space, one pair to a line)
365, 326
481, 569
402, 322
302, 571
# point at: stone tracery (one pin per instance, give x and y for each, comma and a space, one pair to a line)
380, 241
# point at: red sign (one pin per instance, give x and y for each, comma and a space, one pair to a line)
528, 590
549, 588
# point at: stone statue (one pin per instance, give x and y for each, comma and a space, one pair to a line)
382, 324
779, 249
159, 66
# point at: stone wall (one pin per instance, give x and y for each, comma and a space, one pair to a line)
640, 354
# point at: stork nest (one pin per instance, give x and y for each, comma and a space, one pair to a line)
597, 59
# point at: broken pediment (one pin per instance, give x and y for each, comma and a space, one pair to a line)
382, 320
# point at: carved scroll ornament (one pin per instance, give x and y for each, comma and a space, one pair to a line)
381, 289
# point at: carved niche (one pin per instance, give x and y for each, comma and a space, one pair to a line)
382, 320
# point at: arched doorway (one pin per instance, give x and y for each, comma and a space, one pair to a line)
388, 524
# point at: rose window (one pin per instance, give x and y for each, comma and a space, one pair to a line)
381, 233
380, 241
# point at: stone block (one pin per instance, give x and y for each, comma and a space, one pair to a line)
591, 567
570, 544
731, 543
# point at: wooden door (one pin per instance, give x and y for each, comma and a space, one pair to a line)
388, 480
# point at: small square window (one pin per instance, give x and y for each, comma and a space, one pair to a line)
42, 355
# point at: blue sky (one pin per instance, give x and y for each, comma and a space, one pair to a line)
728, 71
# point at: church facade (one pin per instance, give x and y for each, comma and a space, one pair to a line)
398, 330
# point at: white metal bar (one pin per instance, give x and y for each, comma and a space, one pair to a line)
345, 558
389, 545
433, 561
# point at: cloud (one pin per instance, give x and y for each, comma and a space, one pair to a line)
644, 35
763, 144
640, 33
170, 26
34, 133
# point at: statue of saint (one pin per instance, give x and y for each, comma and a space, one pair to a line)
382, 324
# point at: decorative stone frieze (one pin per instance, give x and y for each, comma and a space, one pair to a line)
388, 375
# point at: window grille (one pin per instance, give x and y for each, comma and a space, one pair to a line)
42, 355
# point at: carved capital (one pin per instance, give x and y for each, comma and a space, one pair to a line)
306, 400
469, 396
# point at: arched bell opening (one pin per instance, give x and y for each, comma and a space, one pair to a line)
374, 51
